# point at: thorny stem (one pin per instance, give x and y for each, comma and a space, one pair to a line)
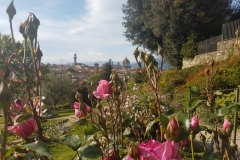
14, 46
5, 133
25, 49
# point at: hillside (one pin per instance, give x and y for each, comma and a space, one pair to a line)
225, 75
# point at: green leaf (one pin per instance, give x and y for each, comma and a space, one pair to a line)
127, 131
164, 121
211, 156
212, 116
150, 124
24, 117
184, 123
195, 90
171, 111
90, 131
91, 150
10, 151
39, 147
71, 140
194, 103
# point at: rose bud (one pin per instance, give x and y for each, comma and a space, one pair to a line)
134, 151
11, 11
173, 127
194, 126
226, 124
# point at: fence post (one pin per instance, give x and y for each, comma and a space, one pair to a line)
235, 117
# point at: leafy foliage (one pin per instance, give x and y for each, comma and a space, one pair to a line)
169, 23
57, 89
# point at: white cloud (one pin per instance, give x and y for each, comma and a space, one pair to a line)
94, 33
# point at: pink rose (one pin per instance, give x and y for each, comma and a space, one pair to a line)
153, 150
194, 124
78, 112
104, 90
226, 124
24, 129
18, 104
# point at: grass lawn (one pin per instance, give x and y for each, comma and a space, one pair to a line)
60, 151
65, 112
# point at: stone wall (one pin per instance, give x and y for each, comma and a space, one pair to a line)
225, 50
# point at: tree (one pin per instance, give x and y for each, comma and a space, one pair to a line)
107, 70
169, 22
56, 89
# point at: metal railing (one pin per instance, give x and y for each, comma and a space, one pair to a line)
229, 29
208, 45
228, 32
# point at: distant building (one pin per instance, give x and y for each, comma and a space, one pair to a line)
126, 63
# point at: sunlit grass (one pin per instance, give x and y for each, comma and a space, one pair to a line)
65, 112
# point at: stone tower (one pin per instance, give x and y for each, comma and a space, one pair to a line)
75, 59
96, 68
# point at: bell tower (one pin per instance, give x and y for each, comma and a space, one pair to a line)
75, 59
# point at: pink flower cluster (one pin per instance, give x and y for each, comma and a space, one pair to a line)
24, 129
78, 112
104, 90
154, 150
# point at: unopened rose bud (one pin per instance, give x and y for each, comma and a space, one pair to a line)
5, 95
136, 53
207, 72
78, 96
35, 20
31, 30
142, 56
194, 126
39, 53
11, 11
226, 124
134, 151
173, 127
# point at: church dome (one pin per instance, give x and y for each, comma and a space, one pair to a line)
126, 62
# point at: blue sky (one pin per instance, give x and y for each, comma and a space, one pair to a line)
90, 28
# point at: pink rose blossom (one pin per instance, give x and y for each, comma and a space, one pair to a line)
226, 124
104, 90
24, 129
194, 123
78, 112
153, 150
18, 104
